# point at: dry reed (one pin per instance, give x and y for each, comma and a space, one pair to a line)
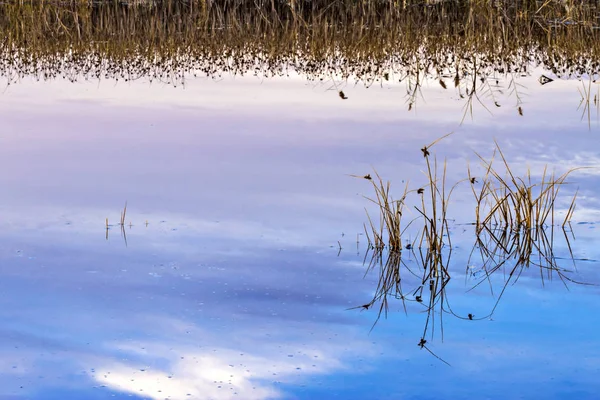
514, 227
375, 41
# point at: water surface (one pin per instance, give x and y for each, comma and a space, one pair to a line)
231, 282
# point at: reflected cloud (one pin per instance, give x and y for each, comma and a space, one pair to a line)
244, 362
205, 378
218, 374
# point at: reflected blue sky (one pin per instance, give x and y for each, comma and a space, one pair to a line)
235, 288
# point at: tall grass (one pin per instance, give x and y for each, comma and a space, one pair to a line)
517, 203
431, 248
514, 221
466, 42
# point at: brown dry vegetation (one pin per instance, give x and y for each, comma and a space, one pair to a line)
457, 42
514, 225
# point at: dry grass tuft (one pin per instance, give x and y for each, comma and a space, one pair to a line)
514, 229
517, 203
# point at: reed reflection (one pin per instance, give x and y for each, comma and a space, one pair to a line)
482, 48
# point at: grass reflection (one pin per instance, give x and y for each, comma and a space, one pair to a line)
513, 251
